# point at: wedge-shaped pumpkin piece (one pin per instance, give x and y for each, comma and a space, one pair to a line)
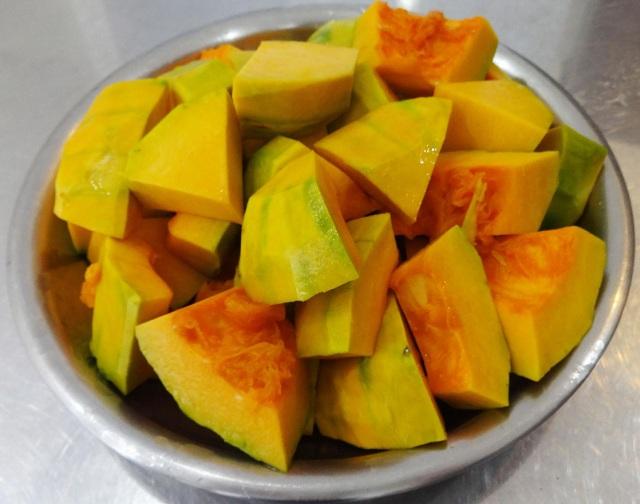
275, 155
90, 187
203, 243
337, 32
128, 292
91, 192
545, 286
391, 151
369, 93
414, 53
498, 115
360, 400
316, 79
197, 78
444, 294
145, 96
192, 162
231, 366
295, 242
581, 160
346, 320
114, 133
518, 189
183, 279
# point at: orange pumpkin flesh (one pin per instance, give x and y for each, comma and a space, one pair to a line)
413, 53
545, 287
231, 365
518, 189
442, 291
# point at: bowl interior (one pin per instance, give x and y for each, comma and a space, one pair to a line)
147, 427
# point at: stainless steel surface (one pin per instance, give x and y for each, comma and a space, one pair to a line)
588, 451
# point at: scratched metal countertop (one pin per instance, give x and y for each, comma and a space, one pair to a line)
53, 52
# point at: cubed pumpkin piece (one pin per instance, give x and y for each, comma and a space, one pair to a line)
91, 192
147, 97
360, 400
192, 162
231, 366
203, 243
518, 189
581, 160
183, 279
414, 53
337, 32
128, 292
346, 320
444, 294
545, 286
391, 151
316, 78
497, 115
369, 93
114, 133
90, 186
295, 242
197, 78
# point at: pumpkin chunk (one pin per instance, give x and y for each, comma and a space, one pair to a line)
581, 160
391, 151
191, 162
317, 78
337, 32
361, 400
545, 287
183, 280
128, 292
414, 53
295, 242
197, 78
497, 115
444, 294
90, 187
518, 187
369, 93
345, 321
203, 243
230, 364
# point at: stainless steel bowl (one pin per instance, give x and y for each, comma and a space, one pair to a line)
147, 430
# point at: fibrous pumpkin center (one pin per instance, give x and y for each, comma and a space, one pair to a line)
250, 345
